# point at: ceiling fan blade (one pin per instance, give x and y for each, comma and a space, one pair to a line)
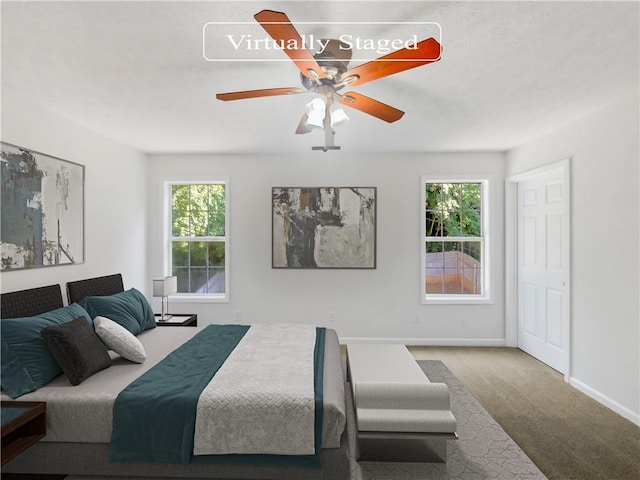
427, 51
302, 127
280, 28
372, 107
266, 92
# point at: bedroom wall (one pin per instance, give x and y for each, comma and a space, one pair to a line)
605, 338
115, 196
384, 303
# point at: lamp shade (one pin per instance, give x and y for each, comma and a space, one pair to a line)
315, 119
338, 117
315, 111
163, 287
315, 105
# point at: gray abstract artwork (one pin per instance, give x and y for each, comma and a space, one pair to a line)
42, 210
324, 227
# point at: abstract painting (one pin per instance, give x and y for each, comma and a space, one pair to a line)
42, 210
323, 227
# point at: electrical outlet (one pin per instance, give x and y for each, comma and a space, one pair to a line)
237, 316
416, 319
332, 317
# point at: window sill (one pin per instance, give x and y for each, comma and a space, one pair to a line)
455, 300
198, 298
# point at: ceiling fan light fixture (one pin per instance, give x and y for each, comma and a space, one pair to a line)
314, 120
315, 111
315, 105
338, 117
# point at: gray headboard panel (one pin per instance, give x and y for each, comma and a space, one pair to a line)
94, 287
27, 303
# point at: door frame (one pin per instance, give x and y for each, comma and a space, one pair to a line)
511, 256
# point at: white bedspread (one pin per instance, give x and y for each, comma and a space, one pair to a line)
262, 398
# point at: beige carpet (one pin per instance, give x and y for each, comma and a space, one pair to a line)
564, 432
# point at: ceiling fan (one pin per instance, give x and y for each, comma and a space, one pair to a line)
326, 73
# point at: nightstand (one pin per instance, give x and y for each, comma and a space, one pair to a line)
178, 320
23, 424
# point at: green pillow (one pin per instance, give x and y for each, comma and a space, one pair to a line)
26, 361
129, 309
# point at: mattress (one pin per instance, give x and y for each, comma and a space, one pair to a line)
83, 413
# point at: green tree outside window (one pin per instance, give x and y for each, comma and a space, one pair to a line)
453, 238
198, 237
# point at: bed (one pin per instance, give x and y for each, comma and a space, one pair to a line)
79, 418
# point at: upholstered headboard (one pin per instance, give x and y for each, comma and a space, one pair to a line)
99, 286
27, 303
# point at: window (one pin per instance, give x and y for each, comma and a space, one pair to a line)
455, 241
199, 238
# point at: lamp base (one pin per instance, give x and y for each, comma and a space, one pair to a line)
164, 317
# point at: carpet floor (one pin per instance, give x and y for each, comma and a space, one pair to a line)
483, 450
567, 434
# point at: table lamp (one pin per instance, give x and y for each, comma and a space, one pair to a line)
163, 287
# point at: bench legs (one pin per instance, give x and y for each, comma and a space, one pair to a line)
402, 447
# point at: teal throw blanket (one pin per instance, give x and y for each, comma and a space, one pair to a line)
154, 417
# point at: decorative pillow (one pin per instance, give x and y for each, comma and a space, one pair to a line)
27, 363
119, 339
77, 349
129, 309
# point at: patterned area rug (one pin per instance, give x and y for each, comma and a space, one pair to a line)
483, 450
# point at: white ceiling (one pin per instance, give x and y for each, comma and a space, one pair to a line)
134, 71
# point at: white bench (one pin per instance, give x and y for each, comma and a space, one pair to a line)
400, 414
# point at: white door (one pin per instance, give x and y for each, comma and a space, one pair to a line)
543, 262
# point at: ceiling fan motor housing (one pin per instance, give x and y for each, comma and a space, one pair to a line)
333, 60
335, 55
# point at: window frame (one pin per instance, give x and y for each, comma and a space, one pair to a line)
485, 228
168, 217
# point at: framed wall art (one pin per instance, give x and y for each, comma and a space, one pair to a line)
323, 227
42, 209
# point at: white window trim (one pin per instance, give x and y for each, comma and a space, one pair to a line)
198, 297
487, 280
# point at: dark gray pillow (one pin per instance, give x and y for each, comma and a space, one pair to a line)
77, 349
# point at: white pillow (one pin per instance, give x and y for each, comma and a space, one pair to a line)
119, 339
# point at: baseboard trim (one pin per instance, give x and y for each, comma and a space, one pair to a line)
436, 342
606, 401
